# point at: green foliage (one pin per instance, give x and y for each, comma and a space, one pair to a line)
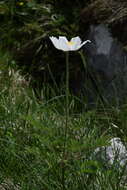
33, 154
25, 28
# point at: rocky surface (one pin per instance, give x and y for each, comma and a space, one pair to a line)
115, 153
107, 64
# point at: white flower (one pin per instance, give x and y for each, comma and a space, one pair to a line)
63, 44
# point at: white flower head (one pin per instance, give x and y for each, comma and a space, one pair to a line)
63, 44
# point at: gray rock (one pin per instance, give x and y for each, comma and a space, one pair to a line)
116, 152
107, 64
114, 157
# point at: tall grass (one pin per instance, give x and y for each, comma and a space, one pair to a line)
32, 130
32, 141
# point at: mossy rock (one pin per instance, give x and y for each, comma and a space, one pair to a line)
110, 12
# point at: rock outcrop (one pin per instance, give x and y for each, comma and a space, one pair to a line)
107, 63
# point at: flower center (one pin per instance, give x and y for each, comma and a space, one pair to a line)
70, 43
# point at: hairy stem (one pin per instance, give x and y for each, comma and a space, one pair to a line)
66, 119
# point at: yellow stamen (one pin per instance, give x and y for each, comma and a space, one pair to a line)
70, 43
21, 3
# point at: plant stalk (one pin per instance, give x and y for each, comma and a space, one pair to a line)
67, 91
66, 119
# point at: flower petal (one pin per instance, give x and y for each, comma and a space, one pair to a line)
55, 42
63, 39
76, 41
86, 42
63, 42
80, 45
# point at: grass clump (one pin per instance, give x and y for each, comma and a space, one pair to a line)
34, 153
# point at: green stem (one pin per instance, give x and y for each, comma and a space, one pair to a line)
67, 88
66, 118
83, 60
91, 77
52, 77
85, 69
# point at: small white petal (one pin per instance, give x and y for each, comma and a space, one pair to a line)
76, 41
82, 44
63, 39
55, 42
63, 42
87, 41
